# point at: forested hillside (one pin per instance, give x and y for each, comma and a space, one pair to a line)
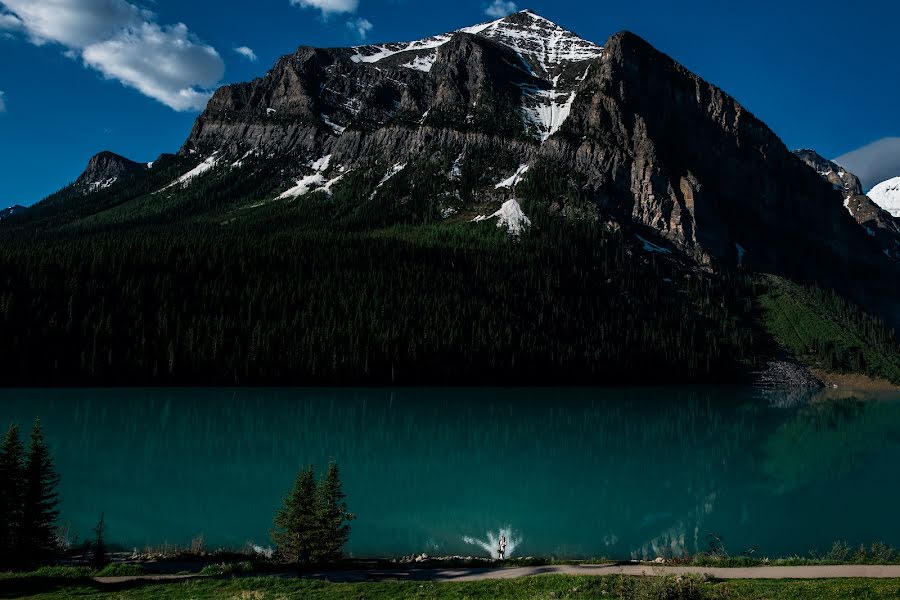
450, 304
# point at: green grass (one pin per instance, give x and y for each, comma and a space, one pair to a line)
841, 553
544, 587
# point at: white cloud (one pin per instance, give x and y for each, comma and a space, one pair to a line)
361, 27
10, 22
2, 103
124, 42
500, 8
875, 162
246, 52
329, 7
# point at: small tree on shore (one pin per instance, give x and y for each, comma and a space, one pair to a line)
101, 556
12, 493
296, 524
37, 541
333, 516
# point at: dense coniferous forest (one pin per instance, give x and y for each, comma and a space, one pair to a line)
215, 284
408, 305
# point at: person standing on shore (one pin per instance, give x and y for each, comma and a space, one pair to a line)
501, 554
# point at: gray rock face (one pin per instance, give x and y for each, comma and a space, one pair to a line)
684, 158
833, 173
877, 223
105, 169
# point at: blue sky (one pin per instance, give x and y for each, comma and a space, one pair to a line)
81, 76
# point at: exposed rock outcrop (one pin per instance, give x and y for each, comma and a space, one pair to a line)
105, 169
877, 222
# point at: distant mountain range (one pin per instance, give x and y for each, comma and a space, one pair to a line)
517, 126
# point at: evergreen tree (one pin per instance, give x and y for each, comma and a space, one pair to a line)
12, 488
296, 526
38, 534
100, 557
333, 516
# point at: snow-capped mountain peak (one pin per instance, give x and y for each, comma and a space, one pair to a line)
543, 45
541, 41
887, 195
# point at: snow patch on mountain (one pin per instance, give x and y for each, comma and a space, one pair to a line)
548, 110
511, 182
510, 216
422, 63
338, 129
102, 185
387, 176
200, 169
312, 182
531, 36
887, 195
456, 170
541, 40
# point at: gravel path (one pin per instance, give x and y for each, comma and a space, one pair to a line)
807, 572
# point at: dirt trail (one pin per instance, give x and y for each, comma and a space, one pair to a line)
480, 574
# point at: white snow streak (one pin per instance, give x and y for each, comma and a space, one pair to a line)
387, 176
312, 182
511, 182
510, 216
200, 169
422, 63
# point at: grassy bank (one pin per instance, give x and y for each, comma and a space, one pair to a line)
551, 586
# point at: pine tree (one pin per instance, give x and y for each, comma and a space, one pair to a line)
296, 527
38, 534
333, 516
12, 490
100, 557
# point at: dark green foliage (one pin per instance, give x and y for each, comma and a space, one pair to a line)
100, 556
12, 493
313, 525
37, 541
827, 331
296, 530
300, 303
333, 516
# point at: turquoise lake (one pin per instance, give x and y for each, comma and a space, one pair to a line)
571, 473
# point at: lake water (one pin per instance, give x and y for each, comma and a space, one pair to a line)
572, 473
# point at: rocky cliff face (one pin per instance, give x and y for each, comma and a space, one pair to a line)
833, 173
877, 222
105, 169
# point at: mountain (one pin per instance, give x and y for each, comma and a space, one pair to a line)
105, 169
11, 211
887, 195
877, 222
841, 178
503, 203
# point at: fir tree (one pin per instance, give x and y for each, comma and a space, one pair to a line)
100, 557
12, 489
333, 516
38, 534
296, 527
